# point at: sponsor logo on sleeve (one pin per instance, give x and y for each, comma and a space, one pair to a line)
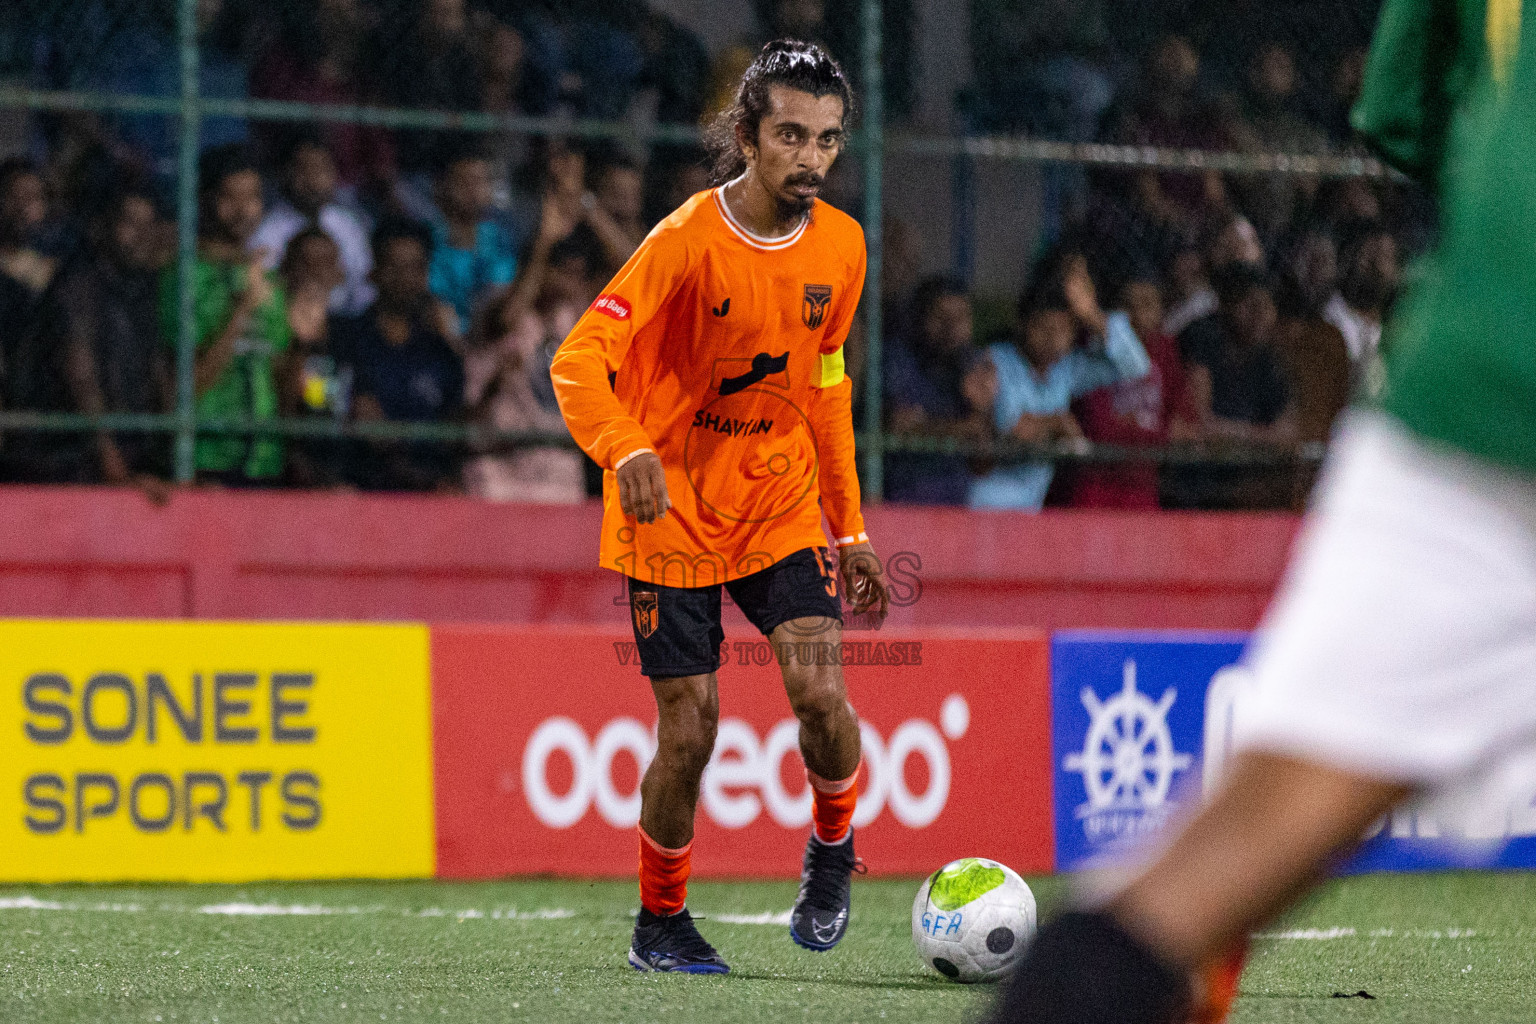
612, 305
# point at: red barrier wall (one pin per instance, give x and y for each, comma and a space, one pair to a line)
103, 552
538, 734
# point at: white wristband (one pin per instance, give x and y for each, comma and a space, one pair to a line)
638, 451
861, 538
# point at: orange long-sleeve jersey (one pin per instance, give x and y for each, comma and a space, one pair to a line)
722, 352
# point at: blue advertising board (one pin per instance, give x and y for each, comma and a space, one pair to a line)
1141, 725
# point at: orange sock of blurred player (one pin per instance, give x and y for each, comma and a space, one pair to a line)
663, 876
1220, 985
832, 805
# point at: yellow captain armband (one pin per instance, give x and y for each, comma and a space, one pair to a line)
832, 369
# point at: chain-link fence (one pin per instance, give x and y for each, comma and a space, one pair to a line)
1172, 154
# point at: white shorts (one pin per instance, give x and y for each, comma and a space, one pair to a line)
1402, 643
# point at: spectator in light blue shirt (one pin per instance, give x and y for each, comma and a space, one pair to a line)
1043, 370
472, 255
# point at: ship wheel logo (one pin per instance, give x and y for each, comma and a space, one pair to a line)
1127, 761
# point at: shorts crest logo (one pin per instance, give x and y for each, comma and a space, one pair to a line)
828, 571
814, 309
643, 604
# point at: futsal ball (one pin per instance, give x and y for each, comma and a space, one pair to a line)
972, 919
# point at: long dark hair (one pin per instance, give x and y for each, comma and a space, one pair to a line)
788, 62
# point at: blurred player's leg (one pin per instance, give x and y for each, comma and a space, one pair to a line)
1163, 952
829, 743
665, 938
1270, 831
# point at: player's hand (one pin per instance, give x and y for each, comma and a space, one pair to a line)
863, 580
643, 488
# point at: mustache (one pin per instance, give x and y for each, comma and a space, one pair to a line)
807, 178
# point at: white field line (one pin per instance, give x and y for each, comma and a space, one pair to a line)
25, 902
31, 903
28, 903
780, 918
766, 917
1327, 934
1293, 935
274, 910
1309, 934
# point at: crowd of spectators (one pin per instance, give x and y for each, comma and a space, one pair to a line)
306, 305
350, 273
1258, 300
344, 271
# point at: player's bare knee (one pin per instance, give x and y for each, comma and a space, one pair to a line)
686, 750
701, 744
685, 699
687, 755
821, 704
689, 712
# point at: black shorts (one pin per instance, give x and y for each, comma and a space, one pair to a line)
677, 629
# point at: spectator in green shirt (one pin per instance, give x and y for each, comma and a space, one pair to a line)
240, 321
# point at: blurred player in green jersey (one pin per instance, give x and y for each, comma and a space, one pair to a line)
1399, 658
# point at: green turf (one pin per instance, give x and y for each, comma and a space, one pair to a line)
418, 951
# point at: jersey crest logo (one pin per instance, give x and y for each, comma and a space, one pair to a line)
814, 309
643, 604
612, 305
722, 309
763, 366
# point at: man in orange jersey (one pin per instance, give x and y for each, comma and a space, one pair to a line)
707, 380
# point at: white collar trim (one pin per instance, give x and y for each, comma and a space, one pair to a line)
757, 241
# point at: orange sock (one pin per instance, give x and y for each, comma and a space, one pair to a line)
1220, 982
832, 805
663, 876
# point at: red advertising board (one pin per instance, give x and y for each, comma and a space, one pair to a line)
540, 734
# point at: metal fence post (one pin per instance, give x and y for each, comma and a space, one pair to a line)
186, 243
874, 154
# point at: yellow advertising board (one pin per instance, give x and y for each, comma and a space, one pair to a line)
207, 751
